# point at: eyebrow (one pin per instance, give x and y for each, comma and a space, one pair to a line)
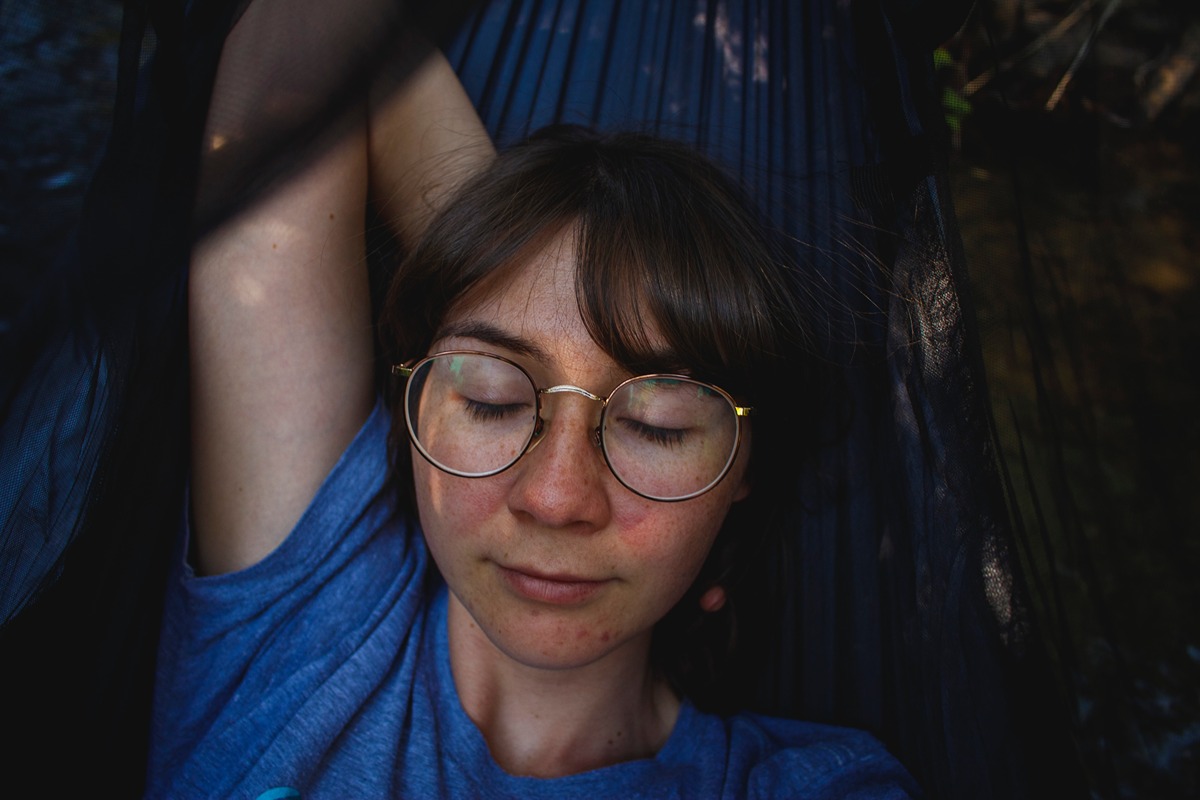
492, 335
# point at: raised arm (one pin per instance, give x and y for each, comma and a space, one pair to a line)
425, 137
280, 328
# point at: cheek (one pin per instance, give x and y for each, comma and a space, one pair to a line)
452, 509
671, 541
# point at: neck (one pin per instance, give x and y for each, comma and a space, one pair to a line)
553, 722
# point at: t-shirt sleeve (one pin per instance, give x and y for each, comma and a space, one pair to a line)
243, 654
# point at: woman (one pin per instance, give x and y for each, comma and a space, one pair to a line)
596, 382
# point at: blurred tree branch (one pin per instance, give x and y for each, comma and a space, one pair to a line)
1168, 81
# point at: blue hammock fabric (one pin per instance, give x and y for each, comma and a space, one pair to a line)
903, 611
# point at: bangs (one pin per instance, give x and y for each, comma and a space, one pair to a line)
669, 291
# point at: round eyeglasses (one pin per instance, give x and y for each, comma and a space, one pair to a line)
665, 437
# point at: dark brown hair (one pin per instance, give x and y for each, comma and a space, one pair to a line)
664, 239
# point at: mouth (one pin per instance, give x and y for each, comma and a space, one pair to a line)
555, 589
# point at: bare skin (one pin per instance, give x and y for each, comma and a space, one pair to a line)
541, 723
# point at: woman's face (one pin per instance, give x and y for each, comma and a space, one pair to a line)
557, 563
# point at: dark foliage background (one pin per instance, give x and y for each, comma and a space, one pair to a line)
1075, 172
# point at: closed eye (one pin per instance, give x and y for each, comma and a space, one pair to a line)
487, 412
667, 437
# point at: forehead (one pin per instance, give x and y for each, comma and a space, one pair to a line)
533, 310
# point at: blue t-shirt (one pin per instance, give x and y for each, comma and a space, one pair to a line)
324, 671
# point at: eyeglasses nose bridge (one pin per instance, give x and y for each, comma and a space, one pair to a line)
566, 387
561, 389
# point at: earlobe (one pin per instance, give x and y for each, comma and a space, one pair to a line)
713, 599
743, 490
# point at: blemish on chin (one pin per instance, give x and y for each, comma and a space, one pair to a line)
604, 637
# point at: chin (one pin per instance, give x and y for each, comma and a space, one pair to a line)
558, 639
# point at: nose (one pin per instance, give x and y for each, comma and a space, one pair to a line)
562, 480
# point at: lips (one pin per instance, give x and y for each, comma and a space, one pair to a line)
564, 590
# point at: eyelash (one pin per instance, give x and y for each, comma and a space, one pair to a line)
486, 412
664, 436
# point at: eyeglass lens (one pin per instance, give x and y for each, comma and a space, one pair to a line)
474, 415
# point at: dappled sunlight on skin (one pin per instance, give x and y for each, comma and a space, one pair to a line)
248, 289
